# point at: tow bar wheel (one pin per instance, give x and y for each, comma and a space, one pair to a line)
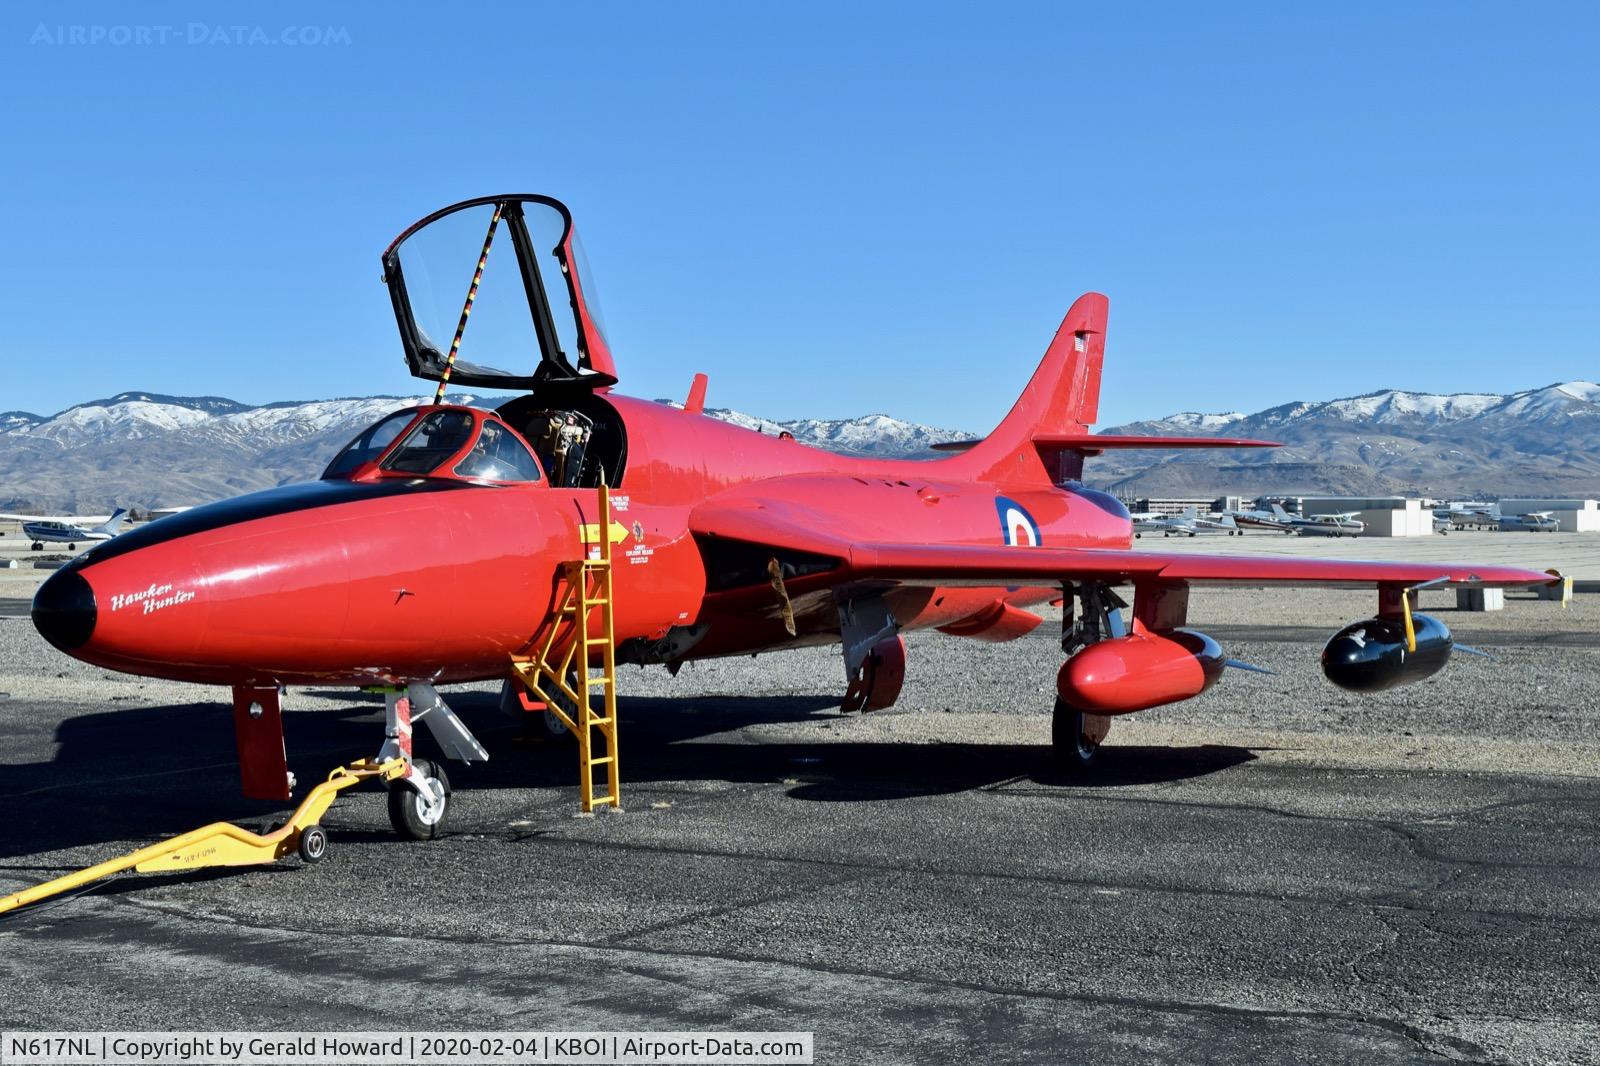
413, 816
313, 846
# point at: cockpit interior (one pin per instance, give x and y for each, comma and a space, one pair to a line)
577, 446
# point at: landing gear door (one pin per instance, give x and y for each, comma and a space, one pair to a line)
493, 293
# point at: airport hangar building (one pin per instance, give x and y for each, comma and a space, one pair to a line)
1384, 516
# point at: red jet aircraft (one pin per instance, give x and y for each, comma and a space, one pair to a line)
429, 551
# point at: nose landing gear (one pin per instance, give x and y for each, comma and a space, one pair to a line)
419, 798
415, 814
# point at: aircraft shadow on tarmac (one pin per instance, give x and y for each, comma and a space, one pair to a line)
146, 772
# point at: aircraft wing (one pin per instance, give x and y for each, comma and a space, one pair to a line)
999, 565
791, 526
69, 519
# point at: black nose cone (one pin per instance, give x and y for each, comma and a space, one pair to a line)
64, 610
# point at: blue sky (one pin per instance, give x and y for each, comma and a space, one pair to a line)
831, 209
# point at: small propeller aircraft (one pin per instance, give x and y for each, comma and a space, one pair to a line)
1189, 524
1261, 519
1531, 522
434, 547
71, 532
1342, 524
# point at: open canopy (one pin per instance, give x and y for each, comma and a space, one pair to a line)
493, 293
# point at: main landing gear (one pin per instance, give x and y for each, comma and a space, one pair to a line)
1075, 736
876, 682
1089, 614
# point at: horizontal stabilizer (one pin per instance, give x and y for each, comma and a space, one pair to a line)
1098, 442
1095, 443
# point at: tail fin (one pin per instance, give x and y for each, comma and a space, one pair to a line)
112, 524
1191, 513
1278, 511
1062, 397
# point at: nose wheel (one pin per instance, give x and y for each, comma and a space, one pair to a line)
419, 798
414, 815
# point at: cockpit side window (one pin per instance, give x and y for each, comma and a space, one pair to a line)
369, 445
434, 440
498, 455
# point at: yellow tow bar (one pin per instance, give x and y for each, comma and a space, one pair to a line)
225, 844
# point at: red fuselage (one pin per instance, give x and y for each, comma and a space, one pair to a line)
395, 579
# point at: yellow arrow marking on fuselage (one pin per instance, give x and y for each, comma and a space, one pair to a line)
589, 532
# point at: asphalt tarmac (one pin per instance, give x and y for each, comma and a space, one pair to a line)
1274, 872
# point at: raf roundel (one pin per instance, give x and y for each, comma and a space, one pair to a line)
1017, 526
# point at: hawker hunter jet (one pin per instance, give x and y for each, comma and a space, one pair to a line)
436, 546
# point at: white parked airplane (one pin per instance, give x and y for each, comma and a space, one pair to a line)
1260, 519
1188, 524
1343, 524
68, 532
71, 519
1486, 517
1532, 522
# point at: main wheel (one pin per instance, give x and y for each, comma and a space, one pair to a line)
313, 843
412, 816
546, 726
1075, 737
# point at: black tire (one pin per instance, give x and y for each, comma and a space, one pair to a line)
37, 547
408, 813
545, 726
313, 846
1074, 752
72, 547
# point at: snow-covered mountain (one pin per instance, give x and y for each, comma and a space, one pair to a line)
149, 450
1543, 441
878, 435
132, 416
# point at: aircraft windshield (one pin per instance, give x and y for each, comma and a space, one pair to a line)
497, 455
435, 439
369, 445
496, 283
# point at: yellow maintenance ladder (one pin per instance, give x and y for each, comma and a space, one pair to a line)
560, 667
